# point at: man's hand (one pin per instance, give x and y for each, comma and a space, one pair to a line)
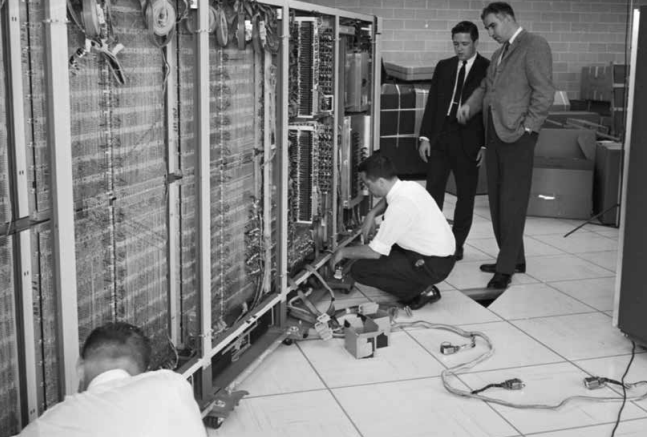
463, 114
424, 149
336, 258
480, 157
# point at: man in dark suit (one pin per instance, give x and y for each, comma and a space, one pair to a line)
515, 98
444, 143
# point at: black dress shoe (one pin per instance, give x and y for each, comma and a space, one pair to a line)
459, 254
430, 295
491, 268
500, 281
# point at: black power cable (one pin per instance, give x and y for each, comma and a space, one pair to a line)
624, 388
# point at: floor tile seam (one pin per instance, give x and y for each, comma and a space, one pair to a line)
612, 387
593, 310
293, 392
554, 351
540, 433
346, 413
329, 389
593, 262
314, 368
537, 340
572, 297
425, 349
555, 315
390, 381
592, 401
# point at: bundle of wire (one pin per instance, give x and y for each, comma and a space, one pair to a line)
463, 367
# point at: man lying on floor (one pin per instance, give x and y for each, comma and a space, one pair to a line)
414, 246
118, 397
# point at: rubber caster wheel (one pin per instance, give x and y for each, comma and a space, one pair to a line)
288, 342
213, 422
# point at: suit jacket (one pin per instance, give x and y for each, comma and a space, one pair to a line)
519, 90
440, 97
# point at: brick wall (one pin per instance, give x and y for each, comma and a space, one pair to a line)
580, 32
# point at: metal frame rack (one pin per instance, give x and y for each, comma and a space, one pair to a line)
224, 357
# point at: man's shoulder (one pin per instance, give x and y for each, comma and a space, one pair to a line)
532, 39
444, 63
480, 59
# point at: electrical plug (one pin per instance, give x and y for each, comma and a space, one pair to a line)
513, 384
594, 382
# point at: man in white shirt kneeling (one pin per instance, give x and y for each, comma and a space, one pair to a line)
414, 246
118, 397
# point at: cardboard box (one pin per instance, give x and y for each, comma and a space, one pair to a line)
562, 181
410, 70
606, 182
562, 116
363, 341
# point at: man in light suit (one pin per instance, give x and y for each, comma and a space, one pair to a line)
515, 97
445, 144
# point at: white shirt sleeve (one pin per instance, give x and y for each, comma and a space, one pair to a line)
186, 419
397, 220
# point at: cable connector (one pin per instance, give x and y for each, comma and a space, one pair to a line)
368, 308
324, 331
513, 384
446, 348
594, 382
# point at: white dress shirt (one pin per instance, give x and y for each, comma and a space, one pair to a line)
468, 67
152, 404
510, 41
413, 221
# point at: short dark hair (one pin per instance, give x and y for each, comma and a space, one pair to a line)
497, 8
466, 27
118, 340
377, 166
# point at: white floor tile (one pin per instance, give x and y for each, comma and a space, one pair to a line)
609, 232
545, 226
535, 300
614, 368
285, 370
608, 259
402, 359
532, 247
481, 229
472, 254
454, 308
597, 293
292, 415
421, 408
563, 268
550, 384
468, 275
632, 428
513, 348
577, 336
579, 242
482, 212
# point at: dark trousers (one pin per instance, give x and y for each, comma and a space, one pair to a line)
400, 273
449, 155
509, 176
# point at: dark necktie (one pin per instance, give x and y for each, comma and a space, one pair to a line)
458, 92
506, 45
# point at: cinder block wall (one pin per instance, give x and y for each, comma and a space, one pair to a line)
580, 32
